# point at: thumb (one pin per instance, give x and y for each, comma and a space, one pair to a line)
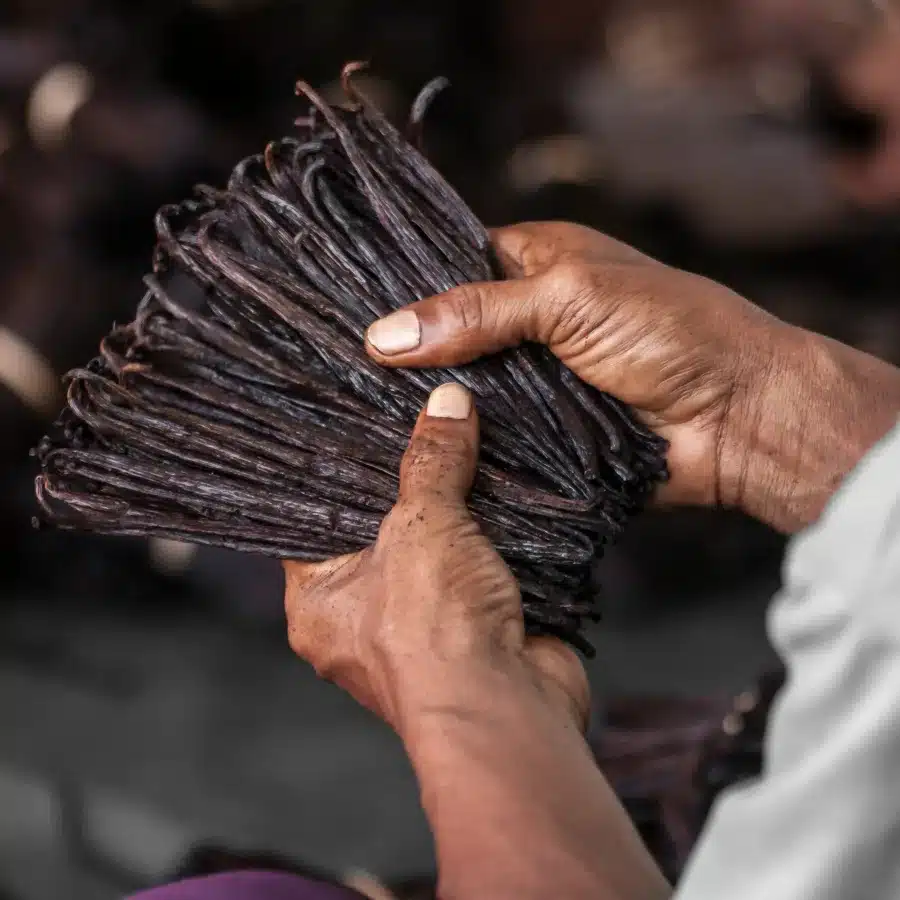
442, 455
460, 325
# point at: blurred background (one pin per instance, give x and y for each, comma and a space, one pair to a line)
152, 718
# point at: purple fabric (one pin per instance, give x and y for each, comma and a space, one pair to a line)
249, 886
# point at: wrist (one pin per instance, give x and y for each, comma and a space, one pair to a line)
757, 430
435, 697
803, 415
516, 803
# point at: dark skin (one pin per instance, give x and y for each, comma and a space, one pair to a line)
425, 628
730, 386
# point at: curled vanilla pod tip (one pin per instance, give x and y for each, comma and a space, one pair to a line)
239, 408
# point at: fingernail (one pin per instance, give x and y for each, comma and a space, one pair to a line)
399, 332
449, 401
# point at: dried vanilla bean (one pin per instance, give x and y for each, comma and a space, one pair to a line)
239, 409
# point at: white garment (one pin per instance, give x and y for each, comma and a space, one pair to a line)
823, 822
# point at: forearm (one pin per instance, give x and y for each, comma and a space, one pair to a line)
822, 407
516, 803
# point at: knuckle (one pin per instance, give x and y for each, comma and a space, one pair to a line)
416, 524
298, 623
571, 279
295, 599
429, 465
311, 591
572, 293
298, 636
326, 667
510, 244
467, 308
534, 246
395, 523
434, 449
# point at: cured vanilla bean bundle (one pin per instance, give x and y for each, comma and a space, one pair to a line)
240, 409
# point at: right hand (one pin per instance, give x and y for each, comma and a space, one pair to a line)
688, 354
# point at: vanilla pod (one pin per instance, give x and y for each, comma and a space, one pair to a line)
239, 408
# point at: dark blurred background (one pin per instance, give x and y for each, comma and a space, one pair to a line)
149, 705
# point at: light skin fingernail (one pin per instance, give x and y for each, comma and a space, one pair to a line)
399, 332
449, 401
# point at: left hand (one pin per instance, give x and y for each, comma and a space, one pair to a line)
407, 624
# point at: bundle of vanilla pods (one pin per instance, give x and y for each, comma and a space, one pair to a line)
239, 408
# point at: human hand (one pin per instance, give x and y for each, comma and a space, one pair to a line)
759, 415
425, 628
683, 351
411, 623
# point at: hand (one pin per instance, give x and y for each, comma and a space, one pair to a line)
411, 623
425, 628
759, 415
680, 349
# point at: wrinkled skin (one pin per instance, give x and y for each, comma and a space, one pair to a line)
682, 350
430, 599
425, 628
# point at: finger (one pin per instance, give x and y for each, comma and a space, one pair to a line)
442, 455
529, 248
459, 326
475, 319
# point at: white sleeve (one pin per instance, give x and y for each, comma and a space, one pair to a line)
823, 821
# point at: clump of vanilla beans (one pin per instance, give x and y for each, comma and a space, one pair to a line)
239, 408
